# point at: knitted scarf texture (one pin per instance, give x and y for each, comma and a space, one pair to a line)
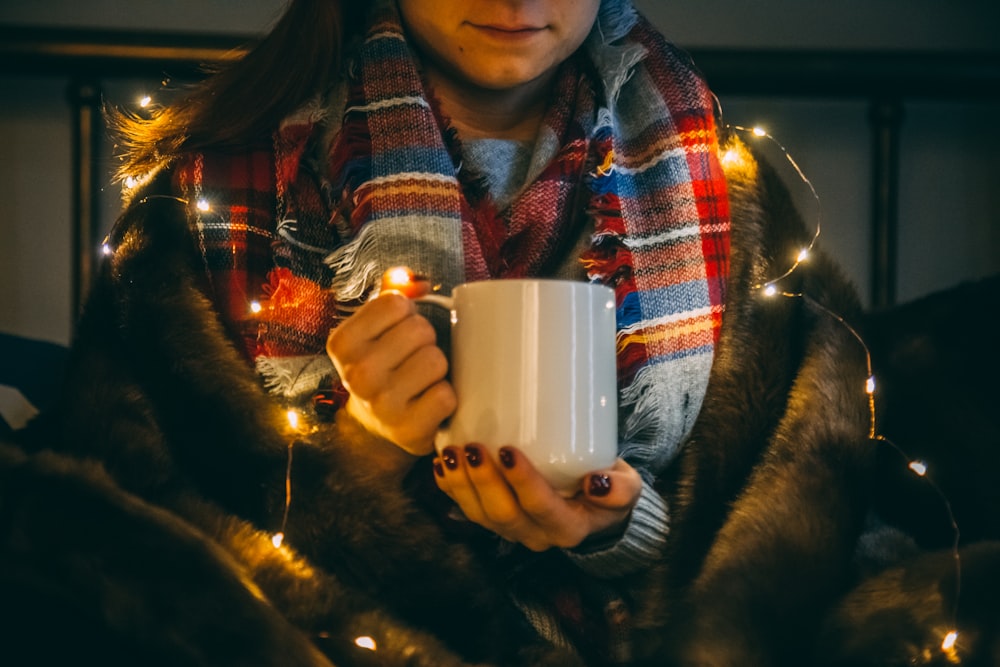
371, 176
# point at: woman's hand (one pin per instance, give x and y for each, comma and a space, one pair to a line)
510, 498
387, 359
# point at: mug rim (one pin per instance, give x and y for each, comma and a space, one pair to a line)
573, 284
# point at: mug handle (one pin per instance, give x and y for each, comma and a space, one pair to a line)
445, 302
443, 437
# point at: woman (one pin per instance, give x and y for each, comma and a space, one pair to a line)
490, 70
468, 141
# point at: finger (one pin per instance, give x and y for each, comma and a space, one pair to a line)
554, 520
501, 505
421, 420
536, 495
373, 366
410, 336
454, 481
349, 344
615, 489
376, 369
352, 337
439, 477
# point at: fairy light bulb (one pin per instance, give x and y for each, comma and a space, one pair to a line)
366, 642
870, 385
106, 249
770, 290
293, 419
277, 540
401, 280
203, 205
145, 101
803, 255
949, 641
131, 182
759, 132
255, 307
397, 277
918, 467
730, 157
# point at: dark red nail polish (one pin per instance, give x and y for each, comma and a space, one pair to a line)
473, 455
450, 458
600, 485
438, 468
507, 458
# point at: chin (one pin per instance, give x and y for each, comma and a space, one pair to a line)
509, 81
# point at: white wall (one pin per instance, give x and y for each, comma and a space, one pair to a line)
950, 208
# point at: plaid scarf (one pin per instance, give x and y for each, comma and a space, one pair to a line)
629, 139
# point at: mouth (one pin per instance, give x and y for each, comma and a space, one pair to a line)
508, 31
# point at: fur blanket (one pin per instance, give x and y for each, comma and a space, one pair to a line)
136, 521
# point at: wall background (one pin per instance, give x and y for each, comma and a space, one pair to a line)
949, 211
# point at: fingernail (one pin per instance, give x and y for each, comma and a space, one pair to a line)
473, 455
507, 458
450, 458
438, 468
600, 485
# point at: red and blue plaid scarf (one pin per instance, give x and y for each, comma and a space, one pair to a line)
299, 232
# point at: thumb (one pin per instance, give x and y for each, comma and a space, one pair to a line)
616, 489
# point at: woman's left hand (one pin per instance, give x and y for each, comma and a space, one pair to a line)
510, 498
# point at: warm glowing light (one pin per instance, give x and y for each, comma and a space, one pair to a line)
770, 290
131, 182
398, 276
106, 249
293, 418
203, 205
366, 642
277, 539
949, 641
759, 132
803, 256
145, 101
730, 157
918, 467
255, 307
870, 385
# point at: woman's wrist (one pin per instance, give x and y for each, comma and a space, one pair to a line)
639, 543
378, 454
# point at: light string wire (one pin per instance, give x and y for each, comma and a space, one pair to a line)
769, 288
279, 537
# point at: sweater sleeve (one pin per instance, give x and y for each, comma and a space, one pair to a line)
637, 548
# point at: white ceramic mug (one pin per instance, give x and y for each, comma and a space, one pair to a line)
533, 367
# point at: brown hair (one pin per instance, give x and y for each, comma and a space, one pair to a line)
245, 100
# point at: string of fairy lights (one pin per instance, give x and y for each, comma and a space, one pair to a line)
769, 288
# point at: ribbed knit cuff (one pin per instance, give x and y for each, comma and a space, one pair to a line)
639, 546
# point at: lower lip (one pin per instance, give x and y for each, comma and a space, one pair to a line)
509, 35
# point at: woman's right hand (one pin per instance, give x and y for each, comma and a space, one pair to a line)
387, 359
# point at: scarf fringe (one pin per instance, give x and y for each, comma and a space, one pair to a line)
661, 405
295, 379
355, 271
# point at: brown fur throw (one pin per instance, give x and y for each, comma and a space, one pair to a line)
136, 522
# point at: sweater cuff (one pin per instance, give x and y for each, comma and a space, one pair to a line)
639, 546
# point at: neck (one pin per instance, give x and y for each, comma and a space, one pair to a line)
484, 113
